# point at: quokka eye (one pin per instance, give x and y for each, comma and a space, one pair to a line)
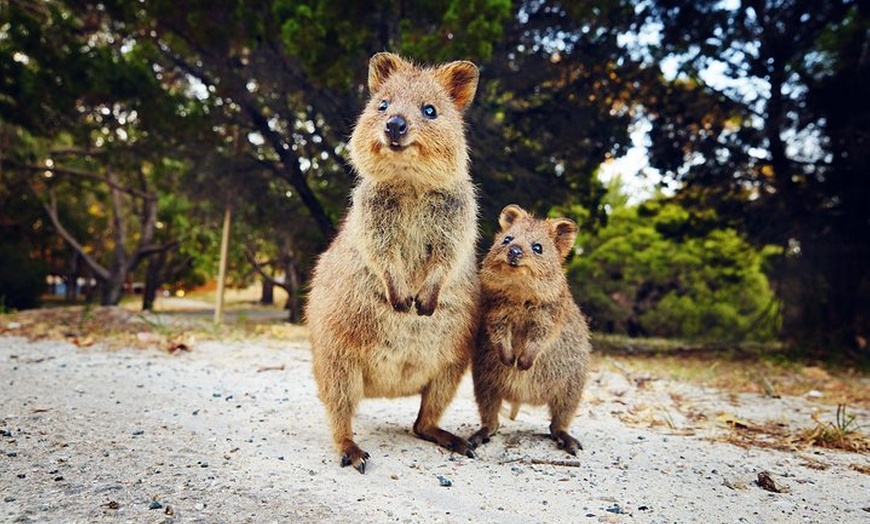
507, 240
429, 112
537, 248
383, 105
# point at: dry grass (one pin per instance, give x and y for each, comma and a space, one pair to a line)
765, 377
843, 434
830, 391
117, 327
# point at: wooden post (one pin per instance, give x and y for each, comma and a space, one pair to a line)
222, 269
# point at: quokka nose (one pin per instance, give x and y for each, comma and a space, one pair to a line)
514, 254
396, 128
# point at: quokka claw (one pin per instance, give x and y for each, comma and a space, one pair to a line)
357, 460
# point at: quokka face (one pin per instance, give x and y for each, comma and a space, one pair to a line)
412, 125
527, 253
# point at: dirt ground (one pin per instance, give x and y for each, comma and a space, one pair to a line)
232, 431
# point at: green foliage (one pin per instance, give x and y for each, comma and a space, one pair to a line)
467, 29
331, 39
251, 102
650, 271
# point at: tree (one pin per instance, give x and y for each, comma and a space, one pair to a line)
95, 113
771, 140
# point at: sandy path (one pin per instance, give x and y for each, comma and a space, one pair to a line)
97, 435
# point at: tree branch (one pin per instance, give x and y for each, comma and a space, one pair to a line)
234, 87
260, 269
113, 184
51, 210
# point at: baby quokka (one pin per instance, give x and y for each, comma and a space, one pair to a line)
533, 343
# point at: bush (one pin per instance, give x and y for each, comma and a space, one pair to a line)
22, 279
661, 272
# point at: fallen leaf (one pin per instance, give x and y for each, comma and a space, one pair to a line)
83, 342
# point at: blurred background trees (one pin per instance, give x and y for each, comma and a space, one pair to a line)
126, 129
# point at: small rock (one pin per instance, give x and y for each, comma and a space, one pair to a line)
11, 453
154, 505
766, 482
616, 508
814, 393
444, 481
138, 432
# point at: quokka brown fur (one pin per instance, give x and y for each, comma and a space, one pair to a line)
393, 305
533, 344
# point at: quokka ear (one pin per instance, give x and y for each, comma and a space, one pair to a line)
460, 80
564, 233
381, 67
510, 214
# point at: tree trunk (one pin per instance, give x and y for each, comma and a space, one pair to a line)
71, 278
153, 272
291, 284
111, 292
268, 295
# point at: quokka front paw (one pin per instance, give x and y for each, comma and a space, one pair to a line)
401, 301
401, 304
525, 361
506, 355
522, 358
427, 300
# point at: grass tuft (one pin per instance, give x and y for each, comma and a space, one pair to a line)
843, 433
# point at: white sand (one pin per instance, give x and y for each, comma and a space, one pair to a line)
97, 435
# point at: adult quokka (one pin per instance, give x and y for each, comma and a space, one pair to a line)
393, 307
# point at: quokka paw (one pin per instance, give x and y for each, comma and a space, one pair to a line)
427, 301
402, 305
525, 362
479, 437
426, 307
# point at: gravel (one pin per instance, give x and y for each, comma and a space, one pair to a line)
233, 432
